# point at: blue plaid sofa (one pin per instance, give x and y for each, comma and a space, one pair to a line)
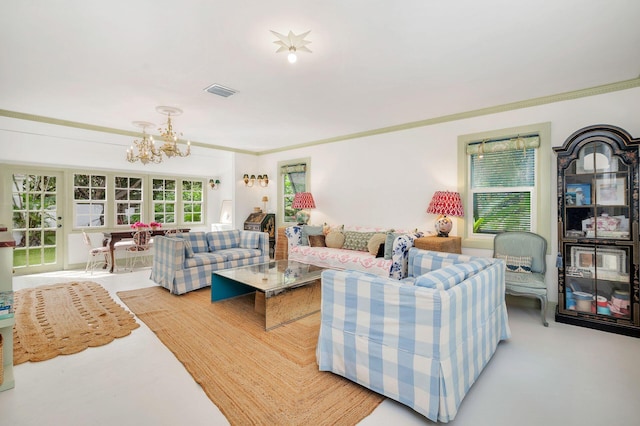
422, 341
185, 263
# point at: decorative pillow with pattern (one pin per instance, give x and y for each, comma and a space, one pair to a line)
357, 240
520, 264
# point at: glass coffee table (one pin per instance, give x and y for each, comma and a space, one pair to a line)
285, 290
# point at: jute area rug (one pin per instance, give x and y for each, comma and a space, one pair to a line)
253, 376
65, 318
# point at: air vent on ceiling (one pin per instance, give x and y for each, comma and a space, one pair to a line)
219, 90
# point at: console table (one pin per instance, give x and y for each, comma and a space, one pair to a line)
112, 237
448, 244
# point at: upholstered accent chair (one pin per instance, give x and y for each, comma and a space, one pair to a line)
524, 254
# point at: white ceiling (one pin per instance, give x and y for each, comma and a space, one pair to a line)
374, 63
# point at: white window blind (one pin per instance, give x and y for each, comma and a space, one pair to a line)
502, 178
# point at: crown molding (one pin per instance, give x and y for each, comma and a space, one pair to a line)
575, 94
581, 93
102, 129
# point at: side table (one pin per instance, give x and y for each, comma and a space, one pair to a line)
448, 244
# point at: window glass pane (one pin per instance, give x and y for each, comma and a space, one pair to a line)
503, 169
192, 204
128, 194
502, 211
294, 181
90, 194
164, 196
502, 184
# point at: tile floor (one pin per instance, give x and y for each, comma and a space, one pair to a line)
561, 375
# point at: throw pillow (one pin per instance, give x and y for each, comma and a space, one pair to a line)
520, 264
388, 244
188, 250
334, 239
357, 240
326, 229
317, 241
308, 230
374, 243
250, 240
380, 251
441, 279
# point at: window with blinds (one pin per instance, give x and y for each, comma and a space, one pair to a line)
502, 180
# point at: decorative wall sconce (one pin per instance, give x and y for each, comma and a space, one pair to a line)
214, 183
248, 181
263, 180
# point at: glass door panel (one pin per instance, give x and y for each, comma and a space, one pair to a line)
36, 221
597, 280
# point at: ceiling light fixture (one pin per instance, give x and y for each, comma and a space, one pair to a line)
170, 147
292, 43
147, 152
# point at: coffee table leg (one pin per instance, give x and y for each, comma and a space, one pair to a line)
225, 288
292, 305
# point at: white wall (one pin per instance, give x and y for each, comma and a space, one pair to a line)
62, 148
387, 180
384, 180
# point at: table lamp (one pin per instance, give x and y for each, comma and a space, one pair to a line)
303, 201
445, 203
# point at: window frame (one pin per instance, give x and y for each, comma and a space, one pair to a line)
182, 203
281, 195
90, 201
541, 195
147, 206
164, 201
128, 201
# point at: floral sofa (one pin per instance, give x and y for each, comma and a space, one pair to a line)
422, 341
387, 259
185, 262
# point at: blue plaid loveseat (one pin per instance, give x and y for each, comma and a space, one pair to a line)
422, 341
185, 263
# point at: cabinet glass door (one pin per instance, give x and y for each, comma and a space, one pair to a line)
597, 280
596, 195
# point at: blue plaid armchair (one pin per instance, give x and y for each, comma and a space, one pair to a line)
185, 262
422, 341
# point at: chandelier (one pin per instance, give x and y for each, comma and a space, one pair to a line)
170, 147
147, 152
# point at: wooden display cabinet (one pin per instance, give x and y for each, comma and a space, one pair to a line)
598, 230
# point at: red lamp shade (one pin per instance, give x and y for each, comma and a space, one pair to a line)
303, 200
446, 203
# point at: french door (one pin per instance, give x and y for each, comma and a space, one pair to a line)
36, 221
